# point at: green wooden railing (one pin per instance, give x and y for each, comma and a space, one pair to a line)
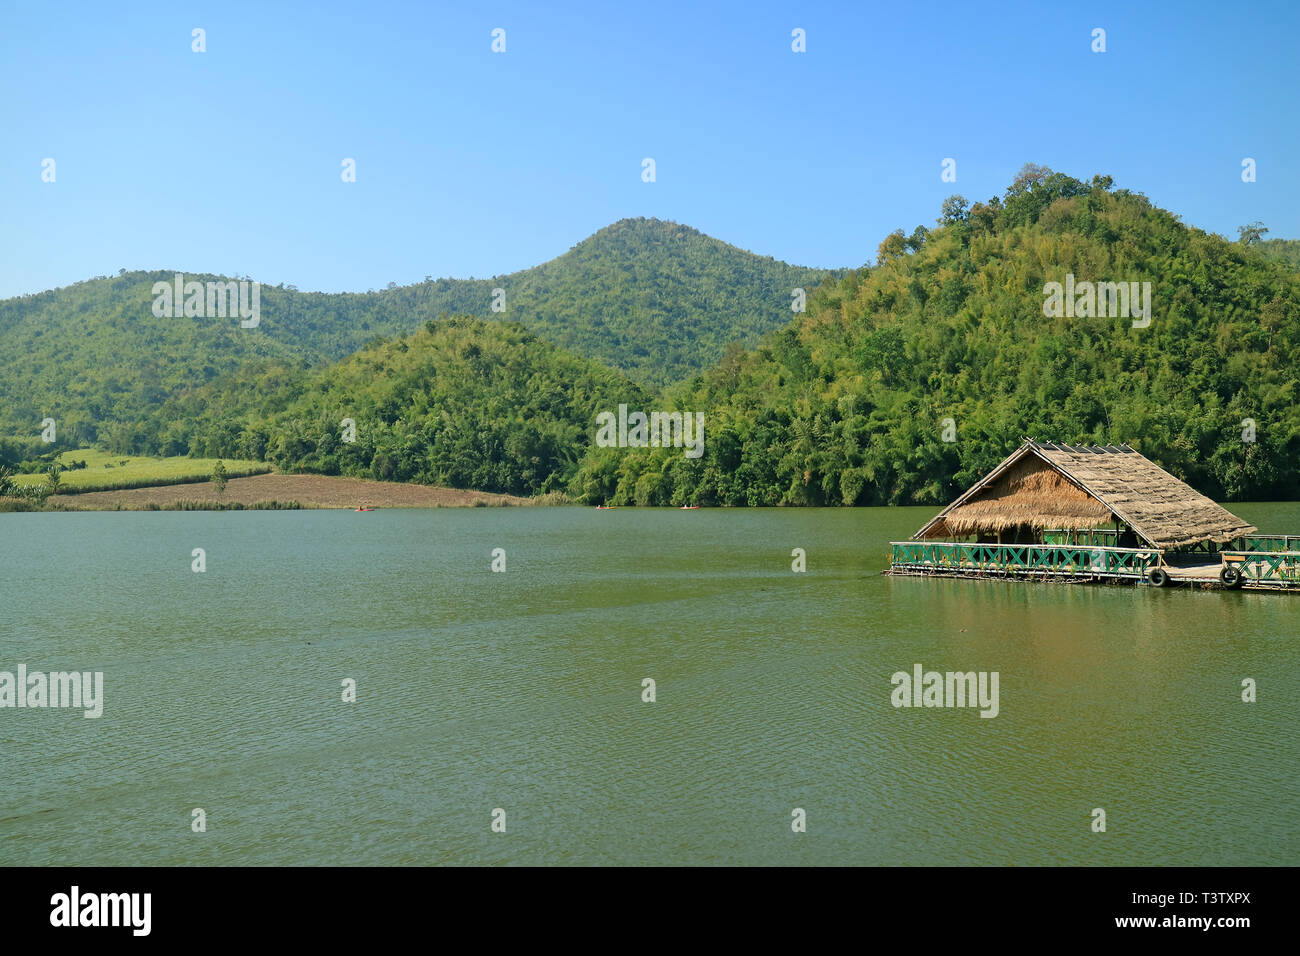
1268, 567
1271, 542
1097, 536
1064, 560
1108, 538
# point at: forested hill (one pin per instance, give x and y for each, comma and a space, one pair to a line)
1288, 250
463, 402
654, 299
848, 404
902, 383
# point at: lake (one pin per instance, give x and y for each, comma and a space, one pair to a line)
522, 691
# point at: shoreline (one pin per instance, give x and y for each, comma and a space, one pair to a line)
280, 492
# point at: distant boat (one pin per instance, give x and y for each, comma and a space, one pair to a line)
604, 507
690, 507
365, 509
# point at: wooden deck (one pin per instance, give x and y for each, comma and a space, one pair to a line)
1206, 573
1195, 572
1259, 569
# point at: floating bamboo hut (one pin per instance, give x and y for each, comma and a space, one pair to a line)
1095, 513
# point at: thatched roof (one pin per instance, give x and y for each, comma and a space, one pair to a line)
1044, 485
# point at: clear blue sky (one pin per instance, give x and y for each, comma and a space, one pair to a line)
471, 163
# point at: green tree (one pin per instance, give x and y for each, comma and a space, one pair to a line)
891, 247
954, 210
1252, 234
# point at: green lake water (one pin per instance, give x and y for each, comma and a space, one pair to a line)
523, 691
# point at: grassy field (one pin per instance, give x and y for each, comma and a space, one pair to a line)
105, 471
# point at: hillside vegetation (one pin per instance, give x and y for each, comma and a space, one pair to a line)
848, 404
901, 384
1286, 250
463, 402
656, 300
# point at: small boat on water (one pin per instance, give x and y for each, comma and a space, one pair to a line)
365, 509
690, 508
604, 507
